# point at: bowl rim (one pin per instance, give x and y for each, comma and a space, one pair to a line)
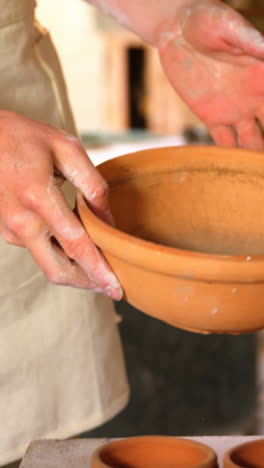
193, 265
228, 455
209, 462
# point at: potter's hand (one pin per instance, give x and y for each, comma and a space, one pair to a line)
215, 61
33, 210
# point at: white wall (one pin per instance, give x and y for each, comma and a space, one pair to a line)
83, 55
71, 23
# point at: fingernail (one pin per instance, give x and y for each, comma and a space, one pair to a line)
111, 280
114, 293
108, 217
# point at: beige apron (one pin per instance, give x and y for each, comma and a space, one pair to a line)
61, 363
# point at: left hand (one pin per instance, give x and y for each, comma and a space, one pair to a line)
215, 61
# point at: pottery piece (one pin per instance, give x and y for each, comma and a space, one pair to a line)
188, 246
154, 452
247, 455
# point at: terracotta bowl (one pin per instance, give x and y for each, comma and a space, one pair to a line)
188, 246
247, 455
154, 452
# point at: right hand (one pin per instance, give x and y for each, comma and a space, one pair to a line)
34, 212
214, 59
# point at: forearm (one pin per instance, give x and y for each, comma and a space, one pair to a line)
145, 17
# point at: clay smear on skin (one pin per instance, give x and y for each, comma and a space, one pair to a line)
248, 34
68, 231
76, 233
69, 272
93, 195
73, 175
80, 180
175, 35
242, 31
103, 269
69, 137
68, 277
113, 11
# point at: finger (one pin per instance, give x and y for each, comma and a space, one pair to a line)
73, 162
9, 237
224, 136
32, 233
243, 36
72, 237
58, 268
6, 224
249, 135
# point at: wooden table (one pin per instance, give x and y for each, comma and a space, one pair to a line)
76, 453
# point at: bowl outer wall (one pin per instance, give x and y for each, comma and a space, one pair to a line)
190, 290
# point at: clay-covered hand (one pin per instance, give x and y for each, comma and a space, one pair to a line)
34, 212
215, 61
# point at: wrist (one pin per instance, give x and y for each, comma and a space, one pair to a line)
147, 18
171, 27
168, 16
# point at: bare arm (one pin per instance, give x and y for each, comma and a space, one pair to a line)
143, 17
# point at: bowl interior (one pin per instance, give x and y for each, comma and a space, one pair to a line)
206, 206
249, 455
160, 453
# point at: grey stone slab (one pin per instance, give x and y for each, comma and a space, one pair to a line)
77, 453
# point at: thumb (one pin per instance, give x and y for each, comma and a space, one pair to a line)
243, 37
71, 160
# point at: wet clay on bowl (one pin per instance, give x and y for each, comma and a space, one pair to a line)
188, 246
248, 455
154, 452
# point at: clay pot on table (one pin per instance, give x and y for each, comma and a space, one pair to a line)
188, 246
247, 455
154, 452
